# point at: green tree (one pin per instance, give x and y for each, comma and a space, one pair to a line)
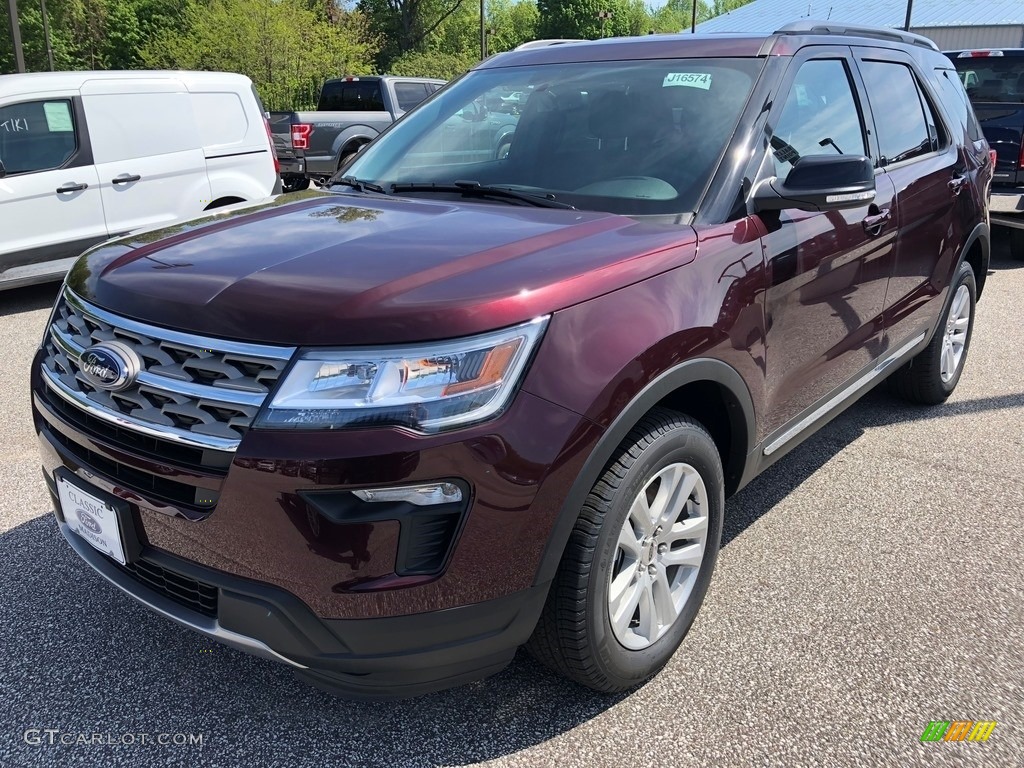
289, 48
511, 23
580, 18
402, 26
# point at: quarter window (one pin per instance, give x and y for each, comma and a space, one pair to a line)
37, 136
820, 116
904, 120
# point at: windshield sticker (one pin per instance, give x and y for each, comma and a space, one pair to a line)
58, 117
700, 80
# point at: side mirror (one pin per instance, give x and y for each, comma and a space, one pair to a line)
820, 183
3, 171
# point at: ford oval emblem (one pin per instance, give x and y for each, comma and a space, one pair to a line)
89, 522
109, 365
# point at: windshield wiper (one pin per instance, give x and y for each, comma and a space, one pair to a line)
476, 189
359, 185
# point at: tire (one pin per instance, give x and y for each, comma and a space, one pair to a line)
924, 379
344, 159
296, 184
576, 636
503, 149
1017, 244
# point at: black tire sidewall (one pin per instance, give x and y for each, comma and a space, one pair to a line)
687, 444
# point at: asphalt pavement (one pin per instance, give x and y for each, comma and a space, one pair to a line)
870, 582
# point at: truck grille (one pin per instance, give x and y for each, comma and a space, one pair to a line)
191, 390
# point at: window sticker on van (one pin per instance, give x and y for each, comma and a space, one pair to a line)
700, 80
58, 117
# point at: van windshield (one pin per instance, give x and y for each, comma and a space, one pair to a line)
634, 137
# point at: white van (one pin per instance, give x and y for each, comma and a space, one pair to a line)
89, 155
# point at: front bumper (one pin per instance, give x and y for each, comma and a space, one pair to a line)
381, 658
297, 582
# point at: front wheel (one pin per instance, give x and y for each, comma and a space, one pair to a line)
639, 559
932, 375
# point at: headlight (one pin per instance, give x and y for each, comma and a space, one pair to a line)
428, 387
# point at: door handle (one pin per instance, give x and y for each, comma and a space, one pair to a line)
957, 183
874, 224
64, 189
126, 178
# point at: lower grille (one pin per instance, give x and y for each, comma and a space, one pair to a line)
185, 591
152, 486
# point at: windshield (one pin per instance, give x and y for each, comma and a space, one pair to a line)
992, 78
635, 137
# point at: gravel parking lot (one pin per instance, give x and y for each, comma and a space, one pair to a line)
871, 581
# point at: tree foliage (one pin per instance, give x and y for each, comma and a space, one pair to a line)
289, 47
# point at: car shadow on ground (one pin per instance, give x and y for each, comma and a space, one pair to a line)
16, 301
83, 657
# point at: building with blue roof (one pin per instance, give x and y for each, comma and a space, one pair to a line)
952, 24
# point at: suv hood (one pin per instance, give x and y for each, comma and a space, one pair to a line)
339, 269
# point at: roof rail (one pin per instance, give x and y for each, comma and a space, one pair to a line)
811, 27
546, 43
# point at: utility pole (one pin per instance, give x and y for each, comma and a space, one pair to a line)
693, 19
46, 34
483, 31
604, 16
910, 8
19, 55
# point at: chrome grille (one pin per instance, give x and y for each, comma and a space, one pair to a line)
194, 390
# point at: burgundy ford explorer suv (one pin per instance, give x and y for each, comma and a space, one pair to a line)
464, 401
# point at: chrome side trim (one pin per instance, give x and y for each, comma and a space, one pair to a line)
171, 434
839, 397
164, 384
168, 608
178, 337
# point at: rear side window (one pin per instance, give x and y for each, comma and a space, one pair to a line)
903, 119
221, 118
955, 99
132, 125
37, 135
992, 78
410, 94
820, 116
351, 96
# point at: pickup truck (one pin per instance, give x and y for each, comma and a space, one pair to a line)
994, 79
350, 113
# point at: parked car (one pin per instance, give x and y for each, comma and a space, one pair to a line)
89, 155
519, 389
995, 85
351, 112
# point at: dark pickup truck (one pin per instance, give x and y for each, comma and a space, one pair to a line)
351, 112
994, 79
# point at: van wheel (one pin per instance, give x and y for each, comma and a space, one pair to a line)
1017, 244
639, 558
932, 375
503, 150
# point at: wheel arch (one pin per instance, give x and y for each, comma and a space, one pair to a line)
977, 251
706, 389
